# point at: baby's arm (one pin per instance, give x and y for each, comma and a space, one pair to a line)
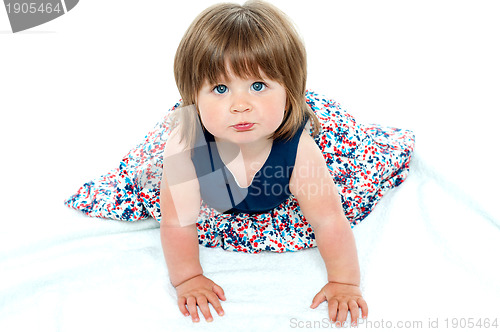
180, 206
313, 186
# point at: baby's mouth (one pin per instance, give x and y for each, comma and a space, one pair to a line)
243, 126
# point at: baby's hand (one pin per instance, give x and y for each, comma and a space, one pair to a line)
342, 298
199, 291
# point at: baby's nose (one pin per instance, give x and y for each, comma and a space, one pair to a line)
240, 103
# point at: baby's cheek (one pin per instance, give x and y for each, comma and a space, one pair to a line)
207, 118
276, 117
213, 124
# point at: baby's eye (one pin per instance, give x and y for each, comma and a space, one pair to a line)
258, 86
220, 89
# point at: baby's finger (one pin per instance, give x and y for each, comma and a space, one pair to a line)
342, 314
214, 300
318, 299
191, 304
219, 291
354, 309
364, 307
205, 310
181, 302
332, 309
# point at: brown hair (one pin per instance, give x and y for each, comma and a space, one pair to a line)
250, 37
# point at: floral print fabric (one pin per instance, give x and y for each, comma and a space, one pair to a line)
364, 161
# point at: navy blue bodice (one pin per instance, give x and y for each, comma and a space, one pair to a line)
269, 187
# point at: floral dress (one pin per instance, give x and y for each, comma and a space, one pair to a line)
365, 161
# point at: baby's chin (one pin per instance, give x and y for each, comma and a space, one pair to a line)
241, 141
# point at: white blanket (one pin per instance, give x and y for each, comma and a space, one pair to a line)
78, 92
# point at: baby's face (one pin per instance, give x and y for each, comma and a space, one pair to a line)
242, 110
